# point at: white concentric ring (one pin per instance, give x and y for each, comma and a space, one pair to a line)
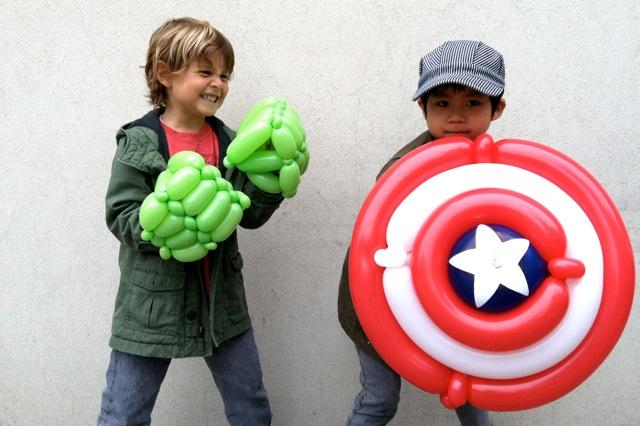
582, 244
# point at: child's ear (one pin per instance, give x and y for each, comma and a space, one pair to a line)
163, 73
499, 109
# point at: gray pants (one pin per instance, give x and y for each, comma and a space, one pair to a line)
377, 402
133, 383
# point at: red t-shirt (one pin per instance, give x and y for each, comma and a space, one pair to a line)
205, 143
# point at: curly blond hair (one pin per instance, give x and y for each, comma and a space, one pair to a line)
179, 41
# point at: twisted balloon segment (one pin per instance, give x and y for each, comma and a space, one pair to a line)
270, 147
191, 210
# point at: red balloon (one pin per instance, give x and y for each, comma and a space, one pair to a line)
496, 333
515, 328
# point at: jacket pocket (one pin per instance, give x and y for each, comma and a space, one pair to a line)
153, 304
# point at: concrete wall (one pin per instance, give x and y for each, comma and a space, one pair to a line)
69, 76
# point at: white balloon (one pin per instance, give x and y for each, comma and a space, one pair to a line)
583, 244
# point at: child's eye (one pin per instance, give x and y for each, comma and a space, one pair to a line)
224, 77
473, 103
205, 73
442, 104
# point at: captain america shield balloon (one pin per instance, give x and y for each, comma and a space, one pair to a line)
499, 274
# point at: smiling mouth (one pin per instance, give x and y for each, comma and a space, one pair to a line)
210, 98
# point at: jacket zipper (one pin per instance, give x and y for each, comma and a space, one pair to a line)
203, 294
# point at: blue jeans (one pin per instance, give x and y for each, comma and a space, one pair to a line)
133, 383
377, 402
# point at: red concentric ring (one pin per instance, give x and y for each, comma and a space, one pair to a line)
513, 329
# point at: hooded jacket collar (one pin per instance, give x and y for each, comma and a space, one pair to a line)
151, 120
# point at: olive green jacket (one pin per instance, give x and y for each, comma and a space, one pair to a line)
161, 309
346, 312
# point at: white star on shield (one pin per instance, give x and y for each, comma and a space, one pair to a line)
493, 262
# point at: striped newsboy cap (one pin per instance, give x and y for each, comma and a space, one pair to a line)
470, 63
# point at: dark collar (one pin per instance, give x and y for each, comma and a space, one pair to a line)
151, 120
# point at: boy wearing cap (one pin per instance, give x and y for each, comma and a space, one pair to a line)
459, 93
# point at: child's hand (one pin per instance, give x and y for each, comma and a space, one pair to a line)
191, 210
270, 147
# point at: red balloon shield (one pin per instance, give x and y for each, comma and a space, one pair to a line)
499, 274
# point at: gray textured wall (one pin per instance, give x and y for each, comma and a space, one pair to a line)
69, 76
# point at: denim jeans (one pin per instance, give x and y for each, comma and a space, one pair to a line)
133, 383
377, 402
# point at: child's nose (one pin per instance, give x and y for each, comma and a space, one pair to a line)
456, 117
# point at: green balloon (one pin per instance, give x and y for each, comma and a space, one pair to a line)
268, 182
195, 201
244, 200
165, 253
264, 106
289, 178
228, 225
297, 135
146, 235
204, 237
261, 161
305, 162
184, 180
284, 143
161, 185
190, 203
152, 212
212, 215
175, 207
158, 242
291, 117
266, 116
185, 159
190, 254
300, 160
248, 141
169, 226
210, 172
222, 184
182, 239
190, 223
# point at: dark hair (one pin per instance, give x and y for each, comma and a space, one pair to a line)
494, 100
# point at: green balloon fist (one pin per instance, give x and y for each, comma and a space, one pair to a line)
191, 209
269, 141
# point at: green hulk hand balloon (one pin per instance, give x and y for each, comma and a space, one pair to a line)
270, 147
191, 209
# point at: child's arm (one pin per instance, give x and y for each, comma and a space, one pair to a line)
130, 183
